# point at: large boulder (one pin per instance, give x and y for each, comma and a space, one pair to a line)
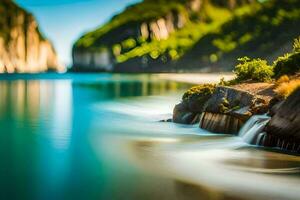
220, 123
238, 106
183, 115
193, 104
229, 108
283, 130
229, 100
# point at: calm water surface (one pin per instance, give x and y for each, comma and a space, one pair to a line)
98, 137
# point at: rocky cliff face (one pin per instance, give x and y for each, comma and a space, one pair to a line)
140, 34
104, 59
283, 131
22, 47
202, 35
157, 28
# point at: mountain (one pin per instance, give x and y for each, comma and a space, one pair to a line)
23, 49
179, 35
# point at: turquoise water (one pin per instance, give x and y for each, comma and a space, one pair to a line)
91, 136
52, 128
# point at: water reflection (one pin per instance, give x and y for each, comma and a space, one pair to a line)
38, 106
144, 85
35, 121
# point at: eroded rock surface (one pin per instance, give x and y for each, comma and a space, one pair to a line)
193, 104
227, 110
22, 47
223, 111
283, 130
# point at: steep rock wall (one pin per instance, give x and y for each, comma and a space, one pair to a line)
22, 47
156, 29
148, 22
283, 131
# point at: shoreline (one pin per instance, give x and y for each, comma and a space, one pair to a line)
197, 78
254, 111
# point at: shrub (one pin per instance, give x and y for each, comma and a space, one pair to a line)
201, 93
253, 69
287, 88
287, 64
296, 45
223, 82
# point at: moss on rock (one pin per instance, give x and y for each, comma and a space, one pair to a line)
200, 92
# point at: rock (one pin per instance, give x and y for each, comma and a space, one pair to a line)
283, 130
223, 109
227, 98
189, 118
182, 115
274, 105
166, 120
243, 113
193, 104
92, 61
285, 124
179, 111
229, 108
196, 97
220, 123
259, 107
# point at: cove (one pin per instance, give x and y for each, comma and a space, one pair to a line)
98, 136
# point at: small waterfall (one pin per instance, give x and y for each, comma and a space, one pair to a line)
252, 131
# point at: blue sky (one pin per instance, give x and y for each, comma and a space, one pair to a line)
64, 21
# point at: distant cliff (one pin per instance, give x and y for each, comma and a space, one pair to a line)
22, 47
178, 35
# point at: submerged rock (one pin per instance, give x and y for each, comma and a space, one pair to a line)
166, 120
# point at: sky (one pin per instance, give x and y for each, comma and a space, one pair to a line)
64, 21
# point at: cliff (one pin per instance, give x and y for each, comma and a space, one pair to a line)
22, 47
189, 35
149, 32
265, 31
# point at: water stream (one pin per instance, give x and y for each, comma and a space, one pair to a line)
98, 137
252, 131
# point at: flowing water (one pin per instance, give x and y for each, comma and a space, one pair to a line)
98, 137
252, 131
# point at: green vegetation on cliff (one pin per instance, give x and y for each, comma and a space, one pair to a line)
181, 40
185, 21
290, 62
259, 70
265, 32
145, 11
212, 33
